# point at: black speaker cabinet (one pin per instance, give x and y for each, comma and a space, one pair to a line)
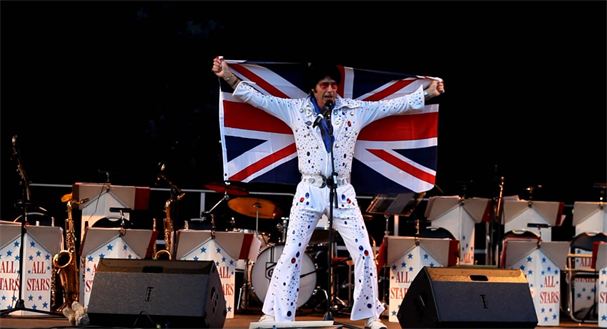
468, 297
147, 293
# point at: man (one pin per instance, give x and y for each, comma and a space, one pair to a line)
321, 123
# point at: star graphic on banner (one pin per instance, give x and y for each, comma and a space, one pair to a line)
530, 272
543, 259
393, 313
45, 305
3, 297
425, 256
9, 253
31, 257
125, 247
410, 269
203, 250
410, 256
30, 297
195, 257
39, 297
38, 253
229, 309
17, 257
16, 244
110, 247
431, 264
90, 258
34, 306
403, 264
218, 251
529, 258
47, 257
32, 244
101, 256
604, 317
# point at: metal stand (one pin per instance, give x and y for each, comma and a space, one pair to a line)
24, 203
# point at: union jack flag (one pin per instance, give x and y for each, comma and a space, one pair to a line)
393, 155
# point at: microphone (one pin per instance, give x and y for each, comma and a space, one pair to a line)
325, 114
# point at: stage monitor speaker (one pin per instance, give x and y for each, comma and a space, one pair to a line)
157, 293
468, 297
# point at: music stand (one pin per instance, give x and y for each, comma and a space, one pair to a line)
103, 196
519, 214
24, 203
102, 242
224, 248
395, 205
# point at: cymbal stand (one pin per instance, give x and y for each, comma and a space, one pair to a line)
209, 213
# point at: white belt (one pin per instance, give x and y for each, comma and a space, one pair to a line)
321, 181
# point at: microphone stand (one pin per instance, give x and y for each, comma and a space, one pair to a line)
332, 184
23, 203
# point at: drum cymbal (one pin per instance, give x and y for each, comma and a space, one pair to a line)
229, 189
66, 197
250, 206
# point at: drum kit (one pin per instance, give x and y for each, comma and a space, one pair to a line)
258, 269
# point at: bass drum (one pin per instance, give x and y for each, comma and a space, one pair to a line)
262, 270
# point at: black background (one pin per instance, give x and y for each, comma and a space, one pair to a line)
90, 87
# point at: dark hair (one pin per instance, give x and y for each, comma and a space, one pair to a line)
319, 71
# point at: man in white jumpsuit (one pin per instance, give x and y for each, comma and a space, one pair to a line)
348, 117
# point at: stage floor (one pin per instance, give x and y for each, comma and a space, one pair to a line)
239, 321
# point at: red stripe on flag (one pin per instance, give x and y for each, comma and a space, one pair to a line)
258, 80
402, 165
402, 127
245, 116
398, 85
263, 163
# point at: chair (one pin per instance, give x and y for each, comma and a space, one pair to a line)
584, 242
516, 235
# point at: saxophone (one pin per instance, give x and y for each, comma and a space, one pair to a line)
64, 262
167, 252
176, 195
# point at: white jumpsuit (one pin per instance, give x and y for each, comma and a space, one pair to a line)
312, 198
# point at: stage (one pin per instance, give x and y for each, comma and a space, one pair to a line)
239, 321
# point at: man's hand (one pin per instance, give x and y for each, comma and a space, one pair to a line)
220, 67
436, 88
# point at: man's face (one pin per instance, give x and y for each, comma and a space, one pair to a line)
325, 90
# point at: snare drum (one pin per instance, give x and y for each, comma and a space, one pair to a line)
264, 267
320, 236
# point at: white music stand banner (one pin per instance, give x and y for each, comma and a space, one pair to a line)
601, 283
541, 264
406, 256
458, 216
225, 248
589, 217
100, 243
518, 214
101, 197
41, 243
